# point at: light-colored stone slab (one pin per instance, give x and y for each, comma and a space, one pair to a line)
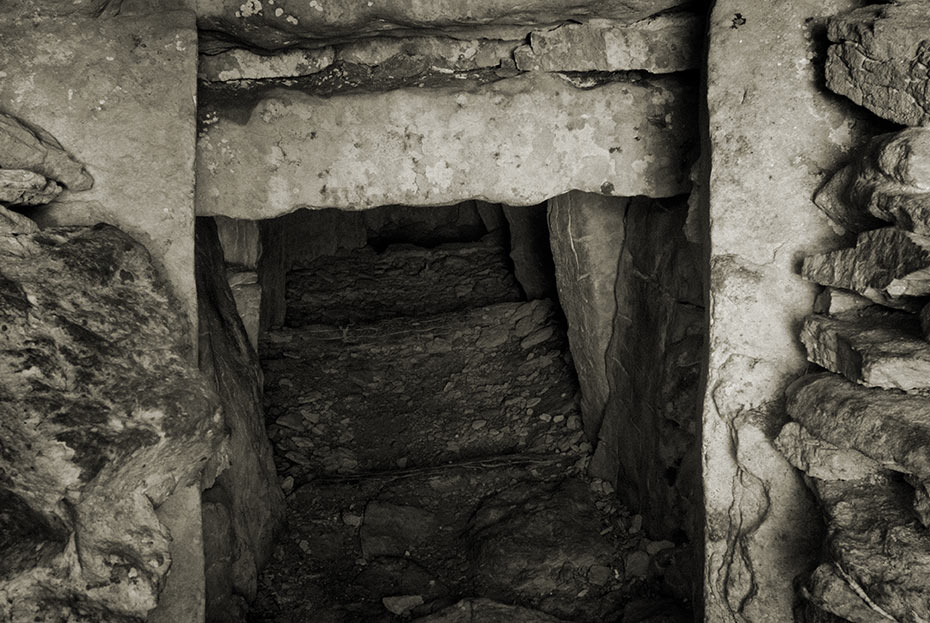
119, 95
880, 59
442, 52
773, 133
240, 240
820, 459
837, 301
518, 141
19, 187
659, 45
239, 64
876, 347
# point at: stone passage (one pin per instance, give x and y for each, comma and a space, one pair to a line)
432, 451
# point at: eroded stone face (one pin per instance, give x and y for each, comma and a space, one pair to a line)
517, 141
103, 417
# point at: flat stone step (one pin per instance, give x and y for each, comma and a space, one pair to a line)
407, 544
404, 280
413, 392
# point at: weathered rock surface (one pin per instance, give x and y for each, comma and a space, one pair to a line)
879, 60
248, 296
364, 286
662, 44
876, 347
240, 64
268, 25
836, 202
821, 459
103, 417
446, 53
873, 535
587, 232
34, 149
773, 134
651, 417
248, 490
487, 611
888, 427
837, 301
530, 252
119, 94
240, 240
517, 141
15, 223
828, 589
885, 265
20, 187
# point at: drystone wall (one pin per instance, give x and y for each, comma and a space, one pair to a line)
860, 431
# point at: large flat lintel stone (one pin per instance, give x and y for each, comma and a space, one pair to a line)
518, 141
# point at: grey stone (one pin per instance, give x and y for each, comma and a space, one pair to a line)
837, 301
888, 427
821, 459
829, 590
20, 187
241, 241
445, 145
240, 64
876, 347
437, 52
885, 264
29, 147
529, 250
834, 199
15, 223
879, 59
661, 44
103, 419
390, 529
487, 611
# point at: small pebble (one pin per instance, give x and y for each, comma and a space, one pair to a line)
637, 564
559, 418
636, 524
479, 424
545, 417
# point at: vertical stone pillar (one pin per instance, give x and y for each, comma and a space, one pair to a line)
119, 94
775, 134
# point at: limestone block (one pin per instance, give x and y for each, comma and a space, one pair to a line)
876, 347
888, 427
646, 440
820, 459
240, 240
444, 52
587, 233
885, 265
19, 187
34, 149
269, 25
661, 44
875, 539
837, 301
248, 489
879, 60
119, 96
103, 418
240, 64
773, 133
517, 141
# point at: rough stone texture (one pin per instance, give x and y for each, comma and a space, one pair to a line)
835, 201
242, 64
517, 141
837, 301
888, 427
773, 134
830, 591
659, 45
241, 241
820, 459
876, 347
587, 233
443, 52
875, 539
529, 251
102, 418
924, 318
880, 60
646, 441
885, 265
20, 187
248, 489
34, 149
248, 296
15, 223
487, 611
270, 26
119, 94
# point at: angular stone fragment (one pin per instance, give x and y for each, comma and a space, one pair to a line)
836, 301
820, 459
271, 26
443, 52
19, 187
829, 590
889, 427
102, 417
487, 611
239, 64
248, 296
876, 347
880, 57
34, 149
240, 240
15, 223
661, 44
885, 265
873, 535
517, 141
834, 199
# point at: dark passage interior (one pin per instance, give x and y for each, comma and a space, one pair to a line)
426, 419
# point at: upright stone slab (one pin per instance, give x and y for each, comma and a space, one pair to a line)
518, 141
119, 95
774, 135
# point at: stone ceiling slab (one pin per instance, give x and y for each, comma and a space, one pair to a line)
517, 141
